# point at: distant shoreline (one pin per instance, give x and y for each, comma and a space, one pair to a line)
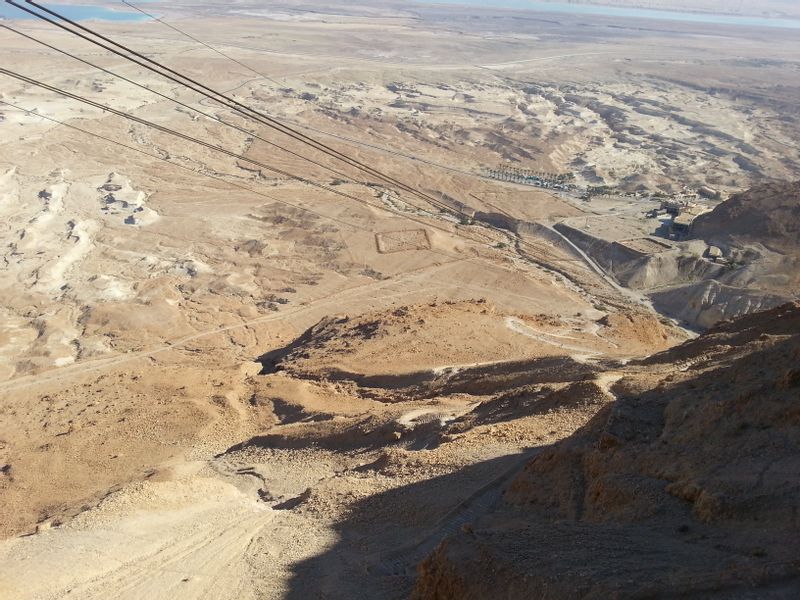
595, 9
689, 9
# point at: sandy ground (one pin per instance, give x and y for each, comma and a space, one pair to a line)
137, 432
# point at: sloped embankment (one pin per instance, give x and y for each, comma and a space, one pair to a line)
688, 485
759, 234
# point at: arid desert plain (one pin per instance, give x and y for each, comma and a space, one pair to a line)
241, 363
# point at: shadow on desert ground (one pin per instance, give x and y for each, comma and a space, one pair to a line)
383, 538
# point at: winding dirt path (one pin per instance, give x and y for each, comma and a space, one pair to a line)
520, 327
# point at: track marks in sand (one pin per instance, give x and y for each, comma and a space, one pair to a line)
160, 540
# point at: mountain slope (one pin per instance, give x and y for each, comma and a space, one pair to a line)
767, 214
688, 485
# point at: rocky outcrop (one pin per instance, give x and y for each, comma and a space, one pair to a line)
688, 485
759, 231
706, 303
767, 215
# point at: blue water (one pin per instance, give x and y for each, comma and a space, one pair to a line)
77, 12
623, 13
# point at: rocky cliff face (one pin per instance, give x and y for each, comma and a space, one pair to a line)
759, 231
689, 485
767, 214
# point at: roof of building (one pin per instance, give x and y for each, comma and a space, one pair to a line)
684, 219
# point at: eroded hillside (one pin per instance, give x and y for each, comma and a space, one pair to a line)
686, 485
281, 341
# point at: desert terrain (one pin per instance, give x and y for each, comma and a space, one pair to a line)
754, 7
234, 364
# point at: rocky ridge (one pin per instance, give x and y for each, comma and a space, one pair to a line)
686, 485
